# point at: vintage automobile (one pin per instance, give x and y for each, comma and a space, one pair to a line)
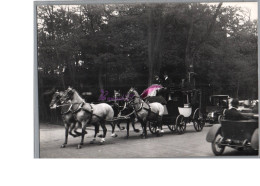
240, 135
215, 107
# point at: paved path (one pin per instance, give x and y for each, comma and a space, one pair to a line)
171, 145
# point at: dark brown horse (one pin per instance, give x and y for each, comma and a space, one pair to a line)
89, 114
146, 112
71, 125
125, 113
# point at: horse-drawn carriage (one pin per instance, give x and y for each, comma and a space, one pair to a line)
183, 106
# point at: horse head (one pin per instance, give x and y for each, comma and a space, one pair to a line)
67, 95
131, 95
116, 93
55, 101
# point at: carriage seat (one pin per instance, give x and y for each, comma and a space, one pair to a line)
239, 129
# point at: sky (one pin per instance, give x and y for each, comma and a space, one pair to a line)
250, 5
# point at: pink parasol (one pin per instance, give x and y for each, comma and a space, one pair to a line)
151, 91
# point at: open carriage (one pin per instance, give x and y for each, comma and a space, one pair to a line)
183, 107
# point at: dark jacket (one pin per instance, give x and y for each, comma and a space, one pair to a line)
166, 82
234, 114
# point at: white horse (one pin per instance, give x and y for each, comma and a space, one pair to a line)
146, 112
89, 114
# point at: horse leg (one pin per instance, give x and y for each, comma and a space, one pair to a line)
121, 128
127, 129
76, 128
133, 125
70, 130
96, 132
84, 125
104, 133
145, 131
159, 126
66, 136
144, 134
114, 135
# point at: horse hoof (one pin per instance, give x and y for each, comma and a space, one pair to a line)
100, 136
62, 146
136, 130
91, 142
114, 135
79, 147
144, 137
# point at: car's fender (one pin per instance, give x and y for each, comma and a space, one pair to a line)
255, 140
213, 132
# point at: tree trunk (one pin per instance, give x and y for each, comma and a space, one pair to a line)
150, 48
154, 43
100, 82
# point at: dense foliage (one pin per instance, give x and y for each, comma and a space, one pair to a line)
93, 47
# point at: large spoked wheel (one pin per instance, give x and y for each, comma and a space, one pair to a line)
217, 148
198, 121
180, 124
152, 127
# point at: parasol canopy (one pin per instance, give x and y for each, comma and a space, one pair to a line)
150, 91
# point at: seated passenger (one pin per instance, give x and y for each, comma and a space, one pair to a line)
255, 108
233, 113
157, 80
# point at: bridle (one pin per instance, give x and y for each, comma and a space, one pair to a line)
131, 102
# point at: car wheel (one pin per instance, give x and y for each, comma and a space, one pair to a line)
216, 145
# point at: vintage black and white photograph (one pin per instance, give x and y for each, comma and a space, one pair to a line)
147, 80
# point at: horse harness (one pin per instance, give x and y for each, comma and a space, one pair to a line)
90, 112
147, 109
68, 111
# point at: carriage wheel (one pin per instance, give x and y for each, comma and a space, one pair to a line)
198, 122
180, 124
152, 127
216, 146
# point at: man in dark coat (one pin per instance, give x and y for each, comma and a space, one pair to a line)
157, 80
166, 81
233, 113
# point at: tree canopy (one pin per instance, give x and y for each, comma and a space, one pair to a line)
115, 46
